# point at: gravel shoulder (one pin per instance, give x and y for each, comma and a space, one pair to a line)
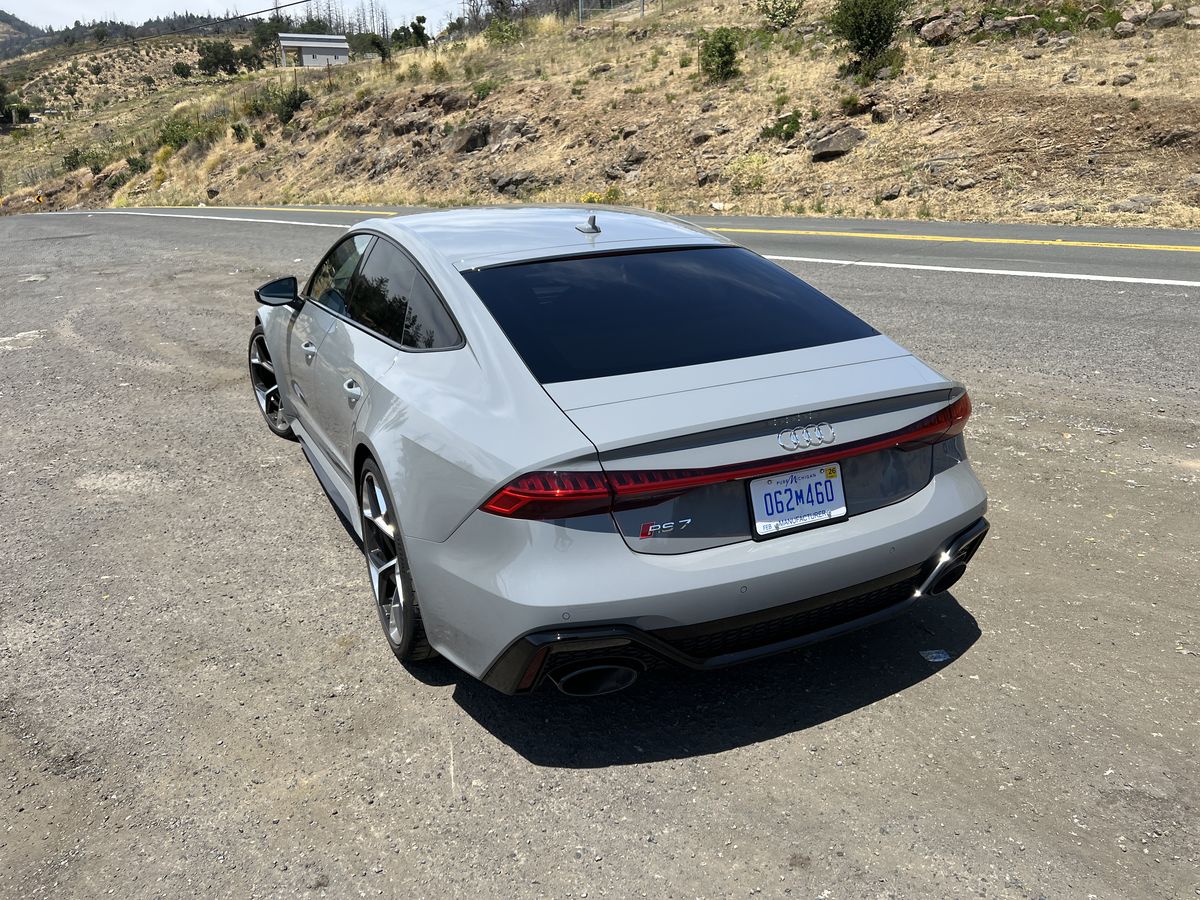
194, 699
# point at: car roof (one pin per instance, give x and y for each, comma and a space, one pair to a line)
485, 236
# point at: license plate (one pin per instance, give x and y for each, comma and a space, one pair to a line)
795, 499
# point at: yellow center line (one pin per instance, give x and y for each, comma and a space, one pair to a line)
878, 235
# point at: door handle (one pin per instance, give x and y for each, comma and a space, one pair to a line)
353, 391
310, 350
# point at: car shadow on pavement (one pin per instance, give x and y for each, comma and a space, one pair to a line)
675, 714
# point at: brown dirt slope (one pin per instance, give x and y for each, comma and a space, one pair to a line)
992, 125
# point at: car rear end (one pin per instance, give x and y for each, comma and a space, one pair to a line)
769, 471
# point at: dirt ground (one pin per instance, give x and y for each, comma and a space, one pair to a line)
195, 699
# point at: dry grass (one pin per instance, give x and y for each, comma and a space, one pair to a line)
978, 133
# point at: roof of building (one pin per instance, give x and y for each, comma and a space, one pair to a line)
330, 41
484, 236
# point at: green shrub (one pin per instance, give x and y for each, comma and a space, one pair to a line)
438, 71
257, 138
718, 54
485, 87
286, 103
779, 13
95, 158
138, 165
240, 131
502, 31
867, 26
685, 60
182, 69
178, 131
784, 128
414, 72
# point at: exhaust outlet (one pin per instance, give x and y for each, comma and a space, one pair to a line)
595, 680
951, 564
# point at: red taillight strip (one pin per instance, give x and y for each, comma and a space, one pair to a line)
557, 495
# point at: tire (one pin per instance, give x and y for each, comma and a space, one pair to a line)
266, 387
387, 568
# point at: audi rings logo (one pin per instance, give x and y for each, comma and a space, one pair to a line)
801, 438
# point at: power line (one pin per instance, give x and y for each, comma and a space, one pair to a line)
131, 41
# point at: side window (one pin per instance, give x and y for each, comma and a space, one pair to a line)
393, 298
330, 283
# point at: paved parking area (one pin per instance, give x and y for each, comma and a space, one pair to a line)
194, 698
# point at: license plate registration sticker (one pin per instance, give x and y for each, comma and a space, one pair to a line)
795, 499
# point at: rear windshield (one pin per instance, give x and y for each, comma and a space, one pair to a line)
595, 316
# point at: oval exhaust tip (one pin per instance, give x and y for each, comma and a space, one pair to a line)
948, 578
596, 680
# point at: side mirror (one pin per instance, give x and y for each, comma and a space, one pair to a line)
279, 292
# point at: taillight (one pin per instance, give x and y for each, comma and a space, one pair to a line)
561, 495
552, 495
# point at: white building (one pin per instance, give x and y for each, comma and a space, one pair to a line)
313, 50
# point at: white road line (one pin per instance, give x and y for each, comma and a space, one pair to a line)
1069, 276
127, 212
1020, 273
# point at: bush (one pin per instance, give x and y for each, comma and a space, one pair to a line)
718, 54
95, 158
485, 87
779, 13
502, 31
177, 132
785, 128
138, 165
182, 69
259, 141
286, 103
438, 71
240, 131
867, 26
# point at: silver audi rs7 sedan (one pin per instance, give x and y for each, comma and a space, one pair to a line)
577, 443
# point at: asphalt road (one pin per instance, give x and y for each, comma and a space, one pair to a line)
194, 700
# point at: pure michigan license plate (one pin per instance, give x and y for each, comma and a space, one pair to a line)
795, 499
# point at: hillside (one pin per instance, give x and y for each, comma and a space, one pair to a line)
16, 35
990, 117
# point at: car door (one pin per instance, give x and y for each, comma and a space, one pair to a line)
393, 310
325, 298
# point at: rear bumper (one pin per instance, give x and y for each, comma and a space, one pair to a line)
496, 580
735, 639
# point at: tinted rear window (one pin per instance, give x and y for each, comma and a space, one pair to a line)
595, 316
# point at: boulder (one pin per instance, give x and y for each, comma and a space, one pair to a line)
1193, 12
1165, 18
1123, 79
1071, 76
633, 156
1021, 21
938, 32
1192, 24
213, 192
1138, 12
472, 136
412, 123
838, 144
511, 182
1124, 30
1139, 204
892, 193
702, 136
600, 68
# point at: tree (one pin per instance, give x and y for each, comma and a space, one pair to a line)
217, 56
100, 33
718, 54
868, 26
411, 35
250, 57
